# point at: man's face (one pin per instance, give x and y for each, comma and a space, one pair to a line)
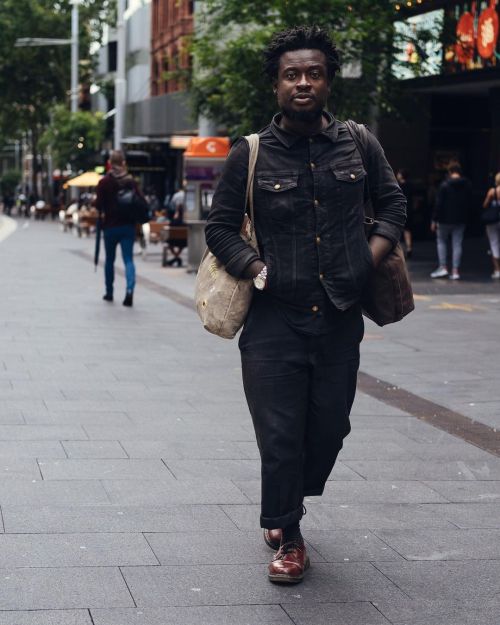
302, 87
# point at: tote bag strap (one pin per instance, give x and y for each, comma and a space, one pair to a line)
253, 144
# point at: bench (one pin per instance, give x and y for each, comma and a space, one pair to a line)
151, 232
174, 239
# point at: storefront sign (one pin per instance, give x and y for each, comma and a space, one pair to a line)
487, 35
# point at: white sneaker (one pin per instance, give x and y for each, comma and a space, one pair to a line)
440, 272
496, 275
454, 276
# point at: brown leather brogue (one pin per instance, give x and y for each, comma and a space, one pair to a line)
272, 538
289, 564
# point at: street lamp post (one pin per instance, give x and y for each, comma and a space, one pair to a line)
26, 42
74, 56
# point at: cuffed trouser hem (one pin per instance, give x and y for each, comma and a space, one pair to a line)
314, 492
271, 523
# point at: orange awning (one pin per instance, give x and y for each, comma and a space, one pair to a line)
208, 147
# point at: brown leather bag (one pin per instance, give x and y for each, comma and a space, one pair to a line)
388, 296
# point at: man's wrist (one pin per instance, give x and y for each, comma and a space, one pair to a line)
260, 280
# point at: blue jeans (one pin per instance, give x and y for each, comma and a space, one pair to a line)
444, 231
125, 236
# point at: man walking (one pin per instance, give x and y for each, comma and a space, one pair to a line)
450, 215
300, 342
118, 225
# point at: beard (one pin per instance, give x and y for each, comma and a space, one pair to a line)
302, 116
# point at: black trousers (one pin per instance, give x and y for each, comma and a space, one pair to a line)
300, 389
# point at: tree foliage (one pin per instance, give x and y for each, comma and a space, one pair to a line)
74, 138
228, 85
9, 181
33, 79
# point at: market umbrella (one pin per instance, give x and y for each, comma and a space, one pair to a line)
87, 179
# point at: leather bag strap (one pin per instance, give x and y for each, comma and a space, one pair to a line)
359, 135
253, 144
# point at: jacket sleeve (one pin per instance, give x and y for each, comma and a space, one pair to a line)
227, 212
389, 202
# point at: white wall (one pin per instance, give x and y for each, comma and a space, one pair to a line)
138, 23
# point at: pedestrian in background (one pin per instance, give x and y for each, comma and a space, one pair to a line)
118, 226
492, 201
453, 199
300, 343
402, 177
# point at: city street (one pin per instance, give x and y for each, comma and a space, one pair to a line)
129, 472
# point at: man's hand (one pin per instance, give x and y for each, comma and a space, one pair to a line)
433, 226
254, 269
380, 247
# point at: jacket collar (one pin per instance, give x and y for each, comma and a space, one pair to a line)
289, 139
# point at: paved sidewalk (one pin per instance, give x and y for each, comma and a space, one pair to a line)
129, 478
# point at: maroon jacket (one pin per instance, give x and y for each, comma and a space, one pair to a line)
106, 202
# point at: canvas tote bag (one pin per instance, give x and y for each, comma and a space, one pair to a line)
223, 301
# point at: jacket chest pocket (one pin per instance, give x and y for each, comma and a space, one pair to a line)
276, 194
350, 180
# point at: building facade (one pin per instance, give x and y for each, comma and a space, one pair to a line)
172, 27
448, 62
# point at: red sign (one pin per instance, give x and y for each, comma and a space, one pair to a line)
487, 33
464, 47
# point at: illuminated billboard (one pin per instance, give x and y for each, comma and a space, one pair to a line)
461, 38
419, 46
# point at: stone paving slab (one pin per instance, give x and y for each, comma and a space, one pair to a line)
63, 588
205, 615
111, 518
41, 432
74, 550
98, 469
438, 612
353, 516
487, 469
32, 449
141, 492
18, 468
448, 581
435, 544
248, 584
223, 548
335, 614
40, 492
186, 450
77, 418
468, 491
351, 546
45, 617
470, 515
92, 449
361, 491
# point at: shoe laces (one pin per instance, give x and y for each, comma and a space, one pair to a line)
288, 548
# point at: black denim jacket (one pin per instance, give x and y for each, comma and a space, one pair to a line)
308, 199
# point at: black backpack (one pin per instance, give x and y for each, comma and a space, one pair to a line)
132, 206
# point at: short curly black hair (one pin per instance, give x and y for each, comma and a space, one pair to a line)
301, 38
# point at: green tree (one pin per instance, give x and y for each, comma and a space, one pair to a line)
228, 85
34, 79
9, 181
74, 138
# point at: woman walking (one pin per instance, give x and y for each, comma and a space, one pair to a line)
492, 204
